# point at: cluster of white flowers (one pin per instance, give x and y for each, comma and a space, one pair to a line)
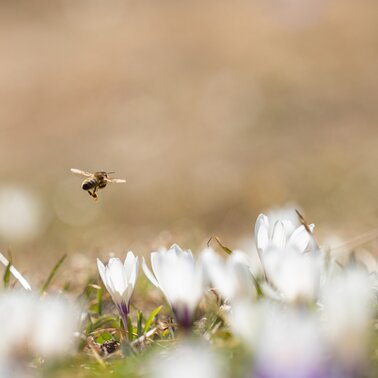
299, 314
292, 271
315, 314
34, 326
304, 316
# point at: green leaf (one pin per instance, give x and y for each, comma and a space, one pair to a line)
139, 323
106, 321
7, 273
130, 329
99, 301
151, 318
105, 336
53, 273
259, 290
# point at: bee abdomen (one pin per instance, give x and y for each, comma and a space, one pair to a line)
89, 184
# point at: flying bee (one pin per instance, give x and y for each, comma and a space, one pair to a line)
95, 181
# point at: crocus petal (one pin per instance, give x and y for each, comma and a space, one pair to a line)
156, 263
176, 249
279, 235
221, 280
262, 232
119, 279
102, 271
116, 296
127, 295
210, 261
149, 274
117, 275
299, 239
134, 273
129, 264
180, 279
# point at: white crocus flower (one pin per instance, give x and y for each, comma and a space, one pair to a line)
180, 278
296, 276
119, 279
293, 272
280, 235
231, 277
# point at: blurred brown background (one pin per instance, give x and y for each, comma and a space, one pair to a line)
212, 110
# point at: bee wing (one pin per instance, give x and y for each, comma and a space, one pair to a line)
116, 181
80, 172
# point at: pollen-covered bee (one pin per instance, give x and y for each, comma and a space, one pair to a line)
95, 181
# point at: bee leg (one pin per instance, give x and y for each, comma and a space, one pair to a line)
94, 195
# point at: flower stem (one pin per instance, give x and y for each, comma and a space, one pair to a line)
124, 310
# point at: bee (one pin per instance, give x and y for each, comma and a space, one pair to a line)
95, 181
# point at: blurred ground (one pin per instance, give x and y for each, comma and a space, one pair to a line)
212, 110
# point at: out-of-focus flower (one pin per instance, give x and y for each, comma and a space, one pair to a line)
34, 326
296, 276
180, 278
291, 346
186, 360
247, 319
254, 261
347, 300
284, 342
119, 279
282, 234
232, 277
21, 215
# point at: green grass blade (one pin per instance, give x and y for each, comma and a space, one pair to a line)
105, 321
19, 277
7, 273
130, 329
53, 273
139, 323
259, 290
99, 301
151, 318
